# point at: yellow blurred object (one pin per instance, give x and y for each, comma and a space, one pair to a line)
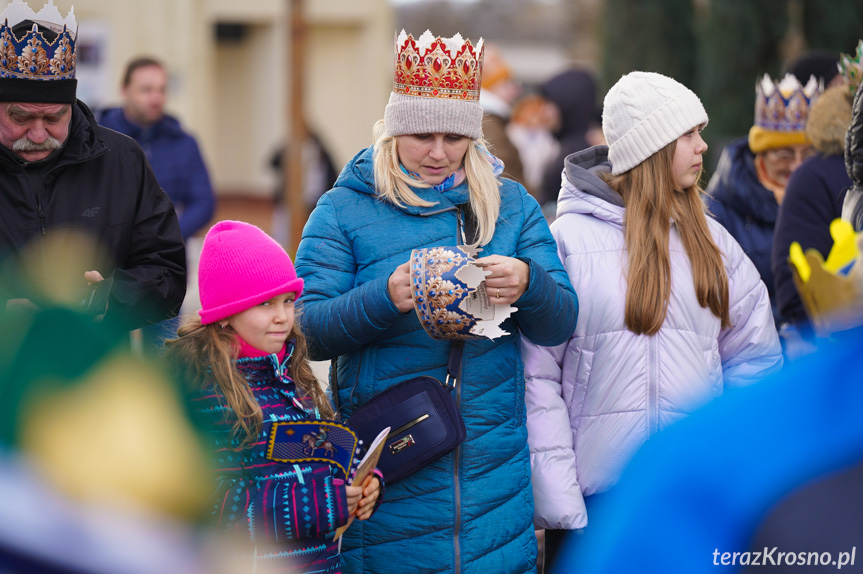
844, 250
118, 436
799, 262
832, 296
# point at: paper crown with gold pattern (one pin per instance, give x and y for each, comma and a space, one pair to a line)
436, 85
851, 68
781, 111
37, 54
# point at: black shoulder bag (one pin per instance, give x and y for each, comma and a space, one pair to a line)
423, 417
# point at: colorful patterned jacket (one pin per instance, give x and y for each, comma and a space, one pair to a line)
289, 512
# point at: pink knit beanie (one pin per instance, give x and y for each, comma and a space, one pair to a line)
240, 267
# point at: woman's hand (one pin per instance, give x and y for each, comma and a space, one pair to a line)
399, 287
371, 490
508, 280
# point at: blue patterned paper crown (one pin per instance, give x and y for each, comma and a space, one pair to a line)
784, 106
450, 296
37, 46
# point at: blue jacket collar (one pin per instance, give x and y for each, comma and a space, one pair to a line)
358, 175
115, 119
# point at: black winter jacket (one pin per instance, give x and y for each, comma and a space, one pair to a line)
852, 209
99, 184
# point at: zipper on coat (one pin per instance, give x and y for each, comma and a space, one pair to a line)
41, 217
652, 387
457, 485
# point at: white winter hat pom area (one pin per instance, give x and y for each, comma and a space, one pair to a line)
644, 112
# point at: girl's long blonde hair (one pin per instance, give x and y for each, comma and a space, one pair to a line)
652, 203
395, 186
206, 354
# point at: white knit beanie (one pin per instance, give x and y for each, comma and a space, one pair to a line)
644, 112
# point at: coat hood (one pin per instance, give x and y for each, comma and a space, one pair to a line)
583, 191
359, 175
115, 119
83, 142
574, 93
829, 119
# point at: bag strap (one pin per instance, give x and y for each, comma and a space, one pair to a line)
453, 368
467, 224
334, 386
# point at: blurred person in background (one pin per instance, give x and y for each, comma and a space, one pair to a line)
499, 91
319, 175
813, 199
531, 129
749, 183
675, 313
818, 63
574, 94
173, 153
428, 176
61, 173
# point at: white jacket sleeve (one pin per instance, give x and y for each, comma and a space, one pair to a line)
750, 348
558, 502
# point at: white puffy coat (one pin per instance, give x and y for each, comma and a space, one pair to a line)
591, 402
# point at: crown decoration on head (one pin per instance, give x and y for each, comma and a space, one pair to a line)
784, 106
852, 68
33, 56
435, 67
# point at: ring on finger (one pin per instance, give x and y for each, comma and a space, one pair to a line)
498, 292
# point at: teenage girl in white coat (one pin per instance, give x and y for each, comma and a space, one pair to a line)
672, 310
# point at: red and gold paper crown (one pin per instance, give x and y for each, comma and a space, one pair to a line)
851, 68
435, 67
784, 106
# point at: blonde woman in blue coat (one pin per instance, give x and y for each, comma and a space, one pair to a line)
471, 510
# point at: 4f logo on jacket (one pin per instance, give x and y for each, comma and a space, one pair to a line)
90, 212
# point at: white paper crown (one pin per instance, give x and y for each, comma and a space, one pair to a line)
784, 106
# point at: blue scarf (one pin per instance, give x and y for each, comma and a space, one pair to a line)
457, 177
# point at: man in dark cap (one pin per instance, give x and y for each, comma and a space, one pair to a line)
63, 176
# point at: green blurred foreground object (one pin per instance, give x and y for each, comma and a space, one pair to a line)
99, 424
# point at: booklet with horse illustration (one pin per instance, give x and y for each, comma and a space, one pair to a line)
365, 467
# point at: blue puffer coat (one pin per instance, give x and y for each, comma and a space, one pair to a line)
470, 511
747, 209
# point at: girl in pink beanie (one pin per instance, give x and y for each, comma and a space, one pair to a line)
247, 357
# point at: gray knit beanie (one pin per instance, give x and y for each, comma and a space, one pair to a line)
436, 87
644, 112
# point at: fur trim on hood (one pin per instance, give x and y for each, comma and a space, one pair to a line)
828, 120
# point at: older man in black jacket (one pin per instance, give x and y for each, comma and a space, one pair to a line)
63, 176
